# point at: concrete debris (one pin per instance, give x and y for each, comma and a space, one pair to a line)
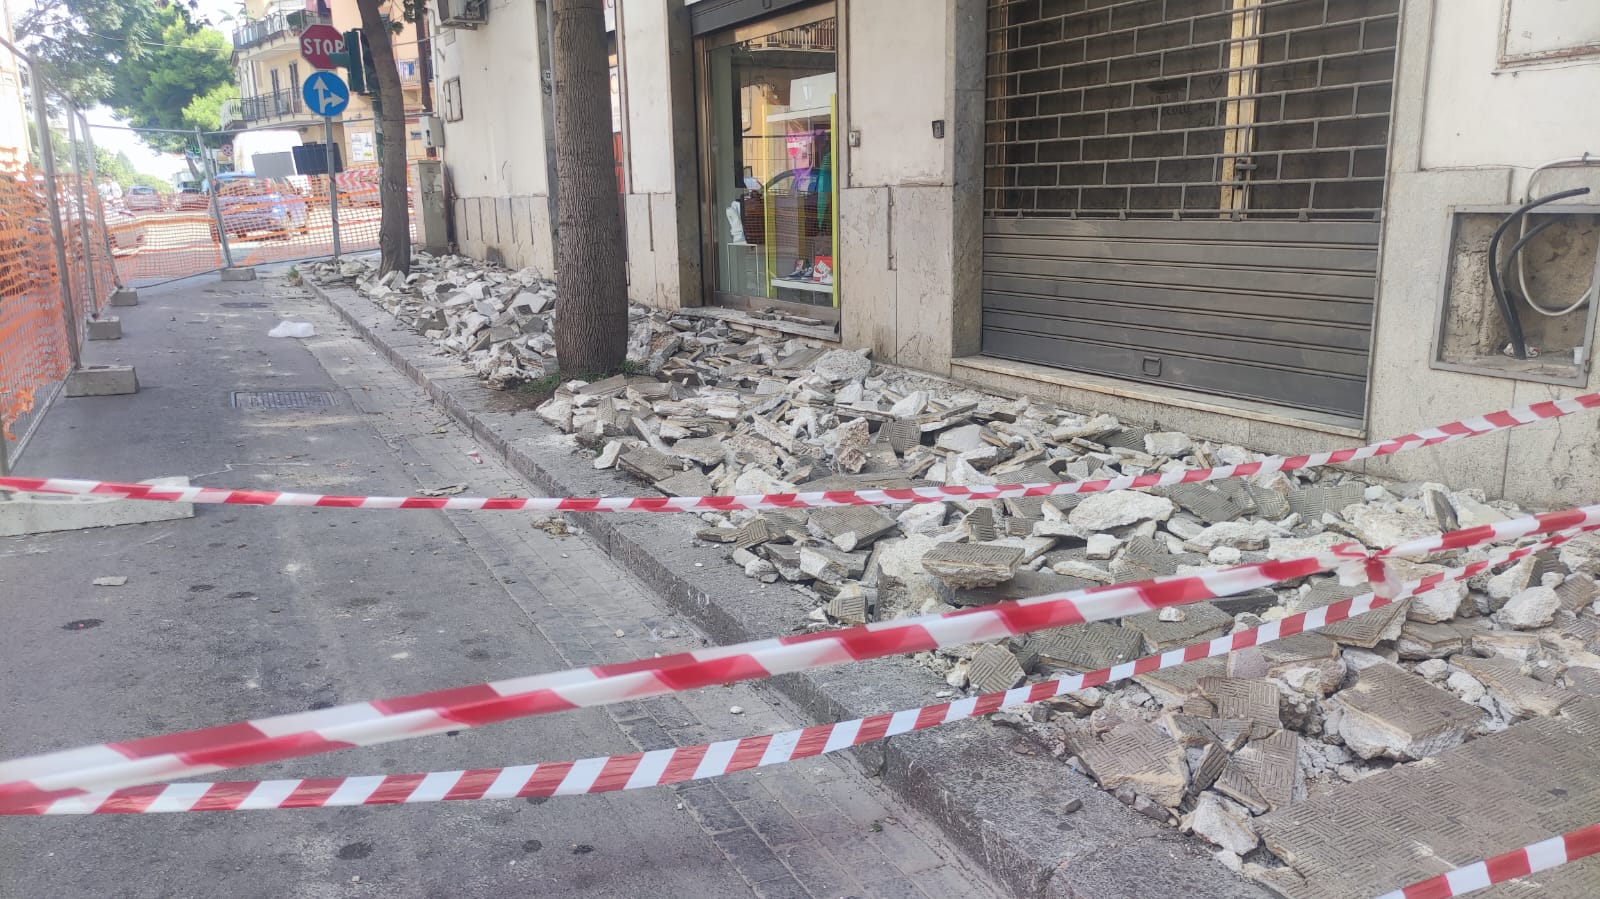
1103, 511
1531, 608
1521, 695
1389, 713
716, 403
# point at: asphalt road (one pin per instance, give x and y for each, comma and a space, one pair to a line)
243, 612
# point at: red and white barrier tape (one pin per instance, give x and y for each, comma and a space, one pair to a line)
1486, 424
1540, 856
42, 778
659, 767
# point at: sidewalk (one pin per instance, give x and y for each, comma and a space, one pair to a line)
243, 612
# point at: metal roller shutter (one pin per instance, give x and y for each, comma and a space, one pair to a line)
1186, 192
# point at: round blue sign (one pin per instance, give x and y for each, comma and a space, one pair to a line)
326, 94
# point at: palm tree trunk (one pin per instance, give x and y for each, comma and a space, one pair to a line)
394, 234
591, 328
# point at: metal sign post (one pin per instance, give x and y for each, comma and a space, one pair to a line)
333, 185
327, 95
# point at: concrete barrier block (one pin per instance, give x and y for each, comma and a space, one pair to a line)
107, 327
125, 296
102, 380
247, 273
39, 513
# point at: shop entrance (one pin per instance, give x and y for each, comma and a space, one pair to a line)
769, 112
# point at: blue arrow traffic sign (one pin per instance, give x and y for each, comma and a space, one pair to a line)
326, 94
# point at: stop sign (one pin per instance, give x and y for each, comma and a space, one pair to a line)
317, 42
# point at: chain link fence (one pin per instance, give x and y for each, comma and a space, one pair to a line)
57, 264
242, 218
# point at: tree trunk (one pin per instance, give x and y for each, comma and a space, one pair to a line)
394, 234
591, 327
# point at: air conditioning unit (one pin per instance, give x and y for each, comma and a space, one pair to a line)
463, 13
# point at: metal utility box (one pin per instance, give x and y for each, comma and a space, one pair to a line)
432, 224
432, 131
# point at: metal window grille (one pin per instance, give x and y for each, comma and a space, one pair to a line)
1235, 109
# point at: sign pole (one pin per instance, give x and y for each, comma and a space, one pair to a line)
333, 184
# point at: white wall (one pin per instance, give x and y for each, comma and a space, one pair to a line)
1481, 113
1465, 133
645, 55
495, 156
899, 83
497, 149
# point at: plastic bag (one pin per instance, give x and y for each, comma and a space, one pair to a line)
293, 329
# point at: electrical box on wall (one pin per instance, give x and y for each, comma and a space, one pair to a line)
1548, 276
432, 131
463, 13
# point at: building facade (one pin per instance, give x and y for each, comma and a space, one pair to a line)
1261, 221
270, 73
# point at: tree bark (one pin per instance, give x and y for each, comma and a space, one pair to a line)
591, 327
394, 234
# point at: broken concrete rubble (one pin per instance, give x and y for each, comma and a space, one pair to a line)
717, 404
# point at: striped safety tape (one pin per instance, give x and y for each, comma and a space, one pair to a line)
667, 766
43, 778
1540, 856
1486, 424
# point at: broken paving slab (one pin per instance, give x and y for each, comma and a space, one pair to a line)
968, 565
1414, 822
1139, 755
1205, 503
649, 464
1199, 621
1264, 774
1024, 584
1173, 687
1520, 694
994, 668
1086, 647
1245, 698
849, 527
686, 483
1391, 713
1311, 503
1421, 640
1308, 661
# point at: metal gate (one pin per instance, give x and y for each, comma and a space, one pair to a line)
1187, 192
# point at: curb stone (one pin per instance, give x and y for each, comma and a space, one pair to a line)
1000, 805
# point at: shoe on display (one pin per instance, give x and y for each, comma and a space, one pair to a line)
801, 269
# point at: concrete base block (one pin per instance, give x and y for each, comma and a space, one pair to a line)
247, 273
102, 380
38, 513
107, 327
125, 296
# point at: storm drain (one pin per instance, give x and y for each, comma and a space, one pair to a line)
244, 305
284, 399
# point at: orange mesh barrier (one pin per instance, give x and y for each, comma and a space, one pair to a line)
33, 336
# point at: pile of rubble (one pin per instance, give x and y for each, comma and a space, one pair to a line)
728, 408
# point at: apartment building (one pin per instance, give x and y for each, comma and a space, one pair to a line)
271, 72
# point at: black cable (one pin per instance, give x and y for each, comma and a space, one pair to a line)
1508, 312
1511, 257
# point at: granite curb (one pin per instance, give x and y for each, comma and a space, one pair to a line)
990, 789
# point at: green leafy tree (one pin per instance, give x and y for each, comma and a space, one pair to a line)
189, 68
81, 45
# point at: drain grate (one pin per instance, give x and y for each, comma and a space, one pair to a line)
284, 399
244, 305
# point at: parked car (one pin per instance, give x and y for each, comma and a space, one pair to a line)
143, 199
192, 199
250, 203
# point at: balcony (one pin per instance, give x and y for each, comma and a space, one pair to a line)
276, 25
269, 106
410, 73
